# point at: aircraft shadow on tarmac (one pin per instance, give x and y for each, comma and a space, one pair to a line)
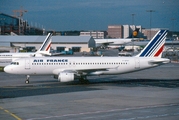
52, 87
33, 90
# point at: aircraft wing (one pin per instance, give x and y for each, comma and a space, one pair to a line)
57, 54
42, 54
82, 71
107, 42
115, 43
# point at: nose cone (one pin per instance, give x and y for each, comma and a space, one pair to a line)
8, 69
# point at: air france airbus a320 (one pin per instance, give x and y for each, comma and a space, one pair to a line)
66, 69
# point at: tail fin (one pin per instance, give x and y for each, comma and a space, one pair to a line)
134, 33
155, 47
45, 48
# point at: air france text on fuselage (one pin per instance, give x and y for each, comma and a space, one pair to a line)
51, 60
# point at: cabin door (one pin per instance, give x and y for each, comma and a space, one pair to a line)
27, 64
137, 63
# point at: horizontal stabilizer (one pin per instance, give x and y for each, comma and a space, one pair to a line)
159, 61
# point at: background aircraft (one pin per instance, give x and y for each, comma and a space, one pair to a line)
111, 43
66, 69
7, 58
116, 43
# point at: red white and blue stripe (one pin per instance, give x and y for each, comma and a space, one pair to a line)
47, 43
155, 47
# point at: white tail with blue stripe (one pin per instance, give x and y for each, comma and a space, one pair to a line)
155, 47
45, 48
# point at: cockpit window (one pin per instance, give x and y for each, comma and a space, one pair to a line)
14, 63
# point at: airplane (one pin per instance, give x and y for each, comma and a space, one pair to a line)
7, 58
66, 69
111, 43
117, 43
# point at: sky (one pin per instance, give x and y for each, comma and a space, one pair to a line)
63, 15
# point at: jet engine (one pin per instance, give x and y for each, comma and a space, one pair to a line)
65, 77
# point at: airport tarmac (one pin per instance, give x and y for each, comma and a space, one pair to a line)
151, 94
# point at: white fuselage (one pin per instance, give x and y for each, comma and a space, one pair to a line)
87, 65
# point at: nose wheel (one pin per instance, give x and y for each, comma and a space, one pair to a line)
27, 80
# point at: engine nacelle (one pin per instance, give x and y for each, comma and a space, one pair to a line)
65, 77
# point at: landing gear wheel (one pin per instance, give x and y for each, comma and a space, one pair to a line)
27, 80
83, 80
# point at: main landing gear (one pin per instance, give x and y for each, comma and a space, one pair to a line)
83, 80
27, 79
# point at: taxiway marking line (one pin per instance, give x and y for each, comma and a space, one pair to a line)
8, 112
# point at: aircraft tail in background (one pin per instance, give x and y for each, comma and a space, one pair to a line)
45, 48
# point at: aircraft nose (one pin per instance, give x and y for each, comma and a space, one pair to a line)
8, 69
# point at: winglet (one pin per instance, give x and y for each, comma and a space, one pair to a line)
155, 47
45, 48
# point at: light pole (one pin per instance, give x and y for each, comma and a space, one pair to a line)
132, 32
173, 31
2, 27
133, 18
173, 25
133, 23
150, 20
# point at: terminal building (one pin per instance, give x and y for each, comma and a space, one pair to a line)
59, 43
123, 31
10, 24
150, 32
115, 31
94, 34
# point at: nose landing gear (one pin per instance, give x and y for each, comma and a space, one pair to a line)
27, 80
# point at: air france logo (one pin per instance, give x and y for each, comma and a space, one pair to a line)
38, 60
51, 60
57, 60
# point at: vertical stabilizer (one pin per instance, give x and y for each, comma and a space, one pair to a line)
45, 48
155, 47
